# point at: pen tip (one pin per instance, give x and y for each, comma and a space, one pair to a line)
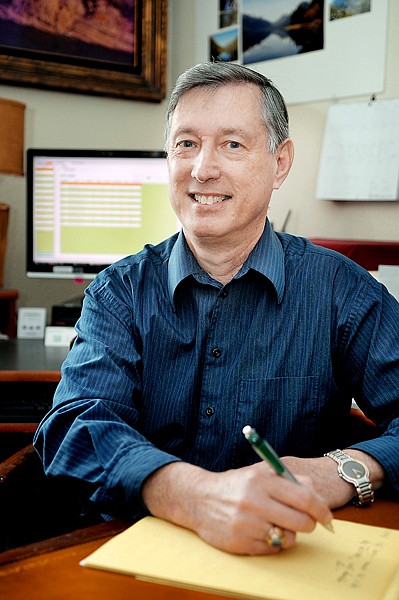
329, 527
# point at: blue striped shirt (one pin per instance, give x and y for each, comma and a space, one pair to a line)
169, 365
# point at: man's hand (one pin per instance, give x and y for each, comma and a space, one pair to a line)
235, 510
325, 479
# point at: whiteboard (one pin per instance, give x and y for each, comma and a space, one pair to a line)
360, 152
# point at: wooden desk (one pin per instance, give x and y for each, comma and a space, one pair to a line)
29, 373
23, 357
51, 569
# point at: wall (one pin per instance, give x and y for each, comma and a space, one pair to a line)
73, 120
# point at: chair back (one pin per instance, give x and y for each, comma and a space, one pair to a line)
4, 215
34, 507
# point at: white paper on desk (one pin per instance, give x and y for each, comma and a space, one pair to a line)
360, 153
389, 276
357, 562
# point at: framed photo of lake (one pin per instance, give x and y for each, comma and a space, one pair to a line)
102, 47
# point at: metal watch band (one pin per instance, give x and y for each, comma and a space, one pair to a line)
363, 487
338, 455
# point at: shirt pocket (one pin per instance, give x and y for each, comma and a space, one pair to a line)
284, 410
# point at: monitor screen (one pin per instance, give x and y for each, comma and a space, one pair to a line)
88, 208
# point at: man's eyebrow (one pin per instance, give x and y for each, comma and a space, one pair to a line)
226, 131
234, 131
184, 131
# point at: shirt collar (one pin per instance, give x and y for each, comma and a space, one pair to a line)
182, 264
267, 258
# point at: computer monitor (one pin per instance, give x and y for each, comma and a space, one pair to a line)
88, 208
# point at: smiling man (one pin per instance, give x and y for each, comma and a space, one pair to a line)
225, 324
221, 175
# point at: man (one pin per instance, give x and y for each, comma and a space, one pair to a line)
224, 325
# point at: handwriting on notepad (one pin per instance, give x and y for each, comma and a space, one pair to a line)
351, 571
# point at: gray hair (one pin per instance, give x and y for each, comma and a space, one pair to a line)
216, 74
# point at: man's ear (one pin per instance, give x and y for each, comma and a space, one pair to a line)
284, 159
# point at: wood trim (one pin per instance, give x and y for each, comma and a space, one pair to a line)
31, 376
18, 459
81, 536
18, 427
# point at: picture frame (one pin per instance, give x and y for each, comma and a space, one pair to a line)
144, 78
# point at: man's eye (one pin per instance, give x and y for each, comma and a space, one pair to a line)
234, 145
185, 144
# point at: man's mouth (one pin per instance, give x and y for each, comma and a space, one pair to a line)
208, 199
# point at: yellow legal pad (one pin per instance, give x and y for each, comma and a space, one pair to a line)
358, 562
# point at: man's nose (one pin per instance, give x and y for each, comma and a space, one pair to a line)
206, 166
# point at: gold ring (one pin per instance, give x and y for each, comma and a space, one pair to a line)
275, 537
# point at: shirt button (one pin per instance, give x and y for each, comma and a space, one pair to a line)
224, 294
209, 411
216, 352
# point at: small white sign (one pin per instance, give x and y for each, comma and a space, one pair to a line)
31, 323
59, 336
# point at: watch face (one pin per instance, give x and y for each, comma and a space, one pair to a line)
353, 469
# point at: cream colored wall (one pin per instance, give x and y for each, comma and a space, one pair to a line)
73, 120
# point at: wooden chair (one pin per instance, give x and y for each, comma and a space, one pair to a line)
4, 216
34, 507
360, 427
8, 298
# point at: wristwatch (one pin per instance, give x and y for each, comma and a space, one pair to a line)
355, 472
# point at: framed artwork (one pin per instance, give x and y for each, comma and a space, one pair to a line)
103, 47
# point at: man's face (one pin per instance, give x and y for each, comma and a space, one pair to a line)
221, 172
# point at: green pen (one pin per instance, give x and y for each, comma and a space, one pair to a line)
267, 453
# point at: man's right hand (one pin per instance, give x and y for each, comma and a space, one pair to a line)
235, 510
